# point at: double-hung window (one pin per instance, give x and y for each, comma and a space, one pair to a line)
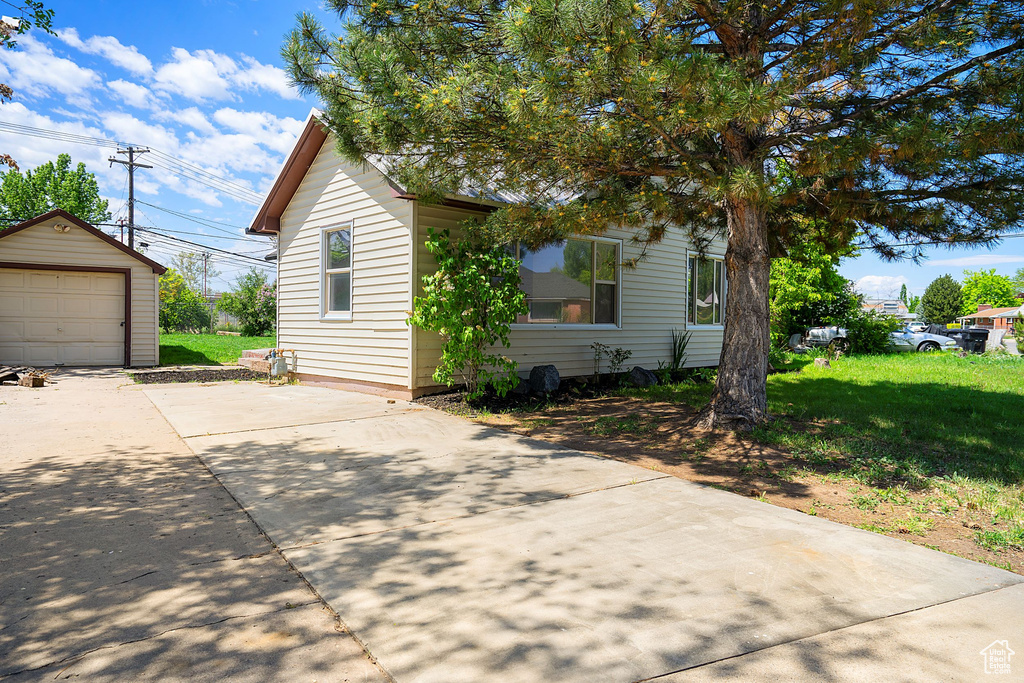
705, 303
336, 272
575, 281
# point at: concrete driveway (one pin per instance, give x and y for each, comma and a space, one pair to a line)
459, 553
123, 559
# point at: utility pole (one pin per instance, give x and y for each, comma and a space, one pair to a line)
206, 263
131, 151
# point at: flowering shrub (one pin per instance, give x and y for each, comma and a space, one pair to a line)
253, 302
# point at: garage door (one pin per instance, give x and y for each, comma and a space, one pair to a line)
50, 317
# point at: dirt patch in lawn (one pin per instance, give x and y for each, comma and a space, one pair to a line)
662, 437
172, 376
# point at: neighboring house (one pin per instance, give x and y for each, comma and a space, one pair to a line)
71, 295
352, 255
894, 307
991, 318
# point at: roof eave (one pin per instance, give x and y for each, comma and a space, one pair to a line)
267, 220
64, 215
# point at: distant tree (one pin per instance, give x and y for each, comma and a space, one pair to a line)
33, 14
182, 309
986, 287
942, 301
902, 117
805, 290
190, 265
903, 293
1018, 281
52, 186
913, 304
254, 302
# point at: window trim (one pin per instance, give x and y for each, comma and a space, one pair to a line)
617, 325
689, 279
323, 272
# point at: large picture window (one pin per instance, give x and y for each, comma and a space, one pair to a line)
336, 282
573, 282
706, 291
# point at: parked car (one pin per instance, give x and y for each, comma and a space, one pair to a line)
836, 339
908, 340
833, 338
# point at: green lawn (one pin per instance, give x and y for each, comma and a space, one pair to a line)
899, 417
207, 349
949, 430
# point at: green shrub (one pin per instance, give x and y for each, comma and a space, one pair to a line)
253, 302
181, 309
471, 301
868, 331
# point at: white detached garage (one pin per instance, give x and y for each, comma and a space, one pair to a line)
71, 295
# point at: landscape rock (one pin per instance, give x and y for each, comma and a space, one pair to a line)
642, 377
822, 363
522, 388
544, 379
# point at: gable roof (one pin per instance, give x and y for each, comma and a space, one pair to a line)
994, 313
65, 216
267, 220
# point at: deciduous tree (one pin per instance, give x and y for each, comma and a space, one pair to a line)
253, 302
51, 186
986, 287
902, 120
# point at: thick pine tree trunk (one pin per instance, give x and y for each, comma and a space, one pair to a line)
739, 400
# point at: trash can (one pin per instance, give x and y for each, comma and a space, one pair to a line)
977, 338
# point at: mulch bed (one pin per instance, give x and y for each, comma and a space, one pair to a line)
195, 375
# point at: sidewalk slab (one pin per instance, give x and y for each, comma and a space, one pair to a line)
199, 409
123, 559
456, 553
329, 481
622, 584
939, 643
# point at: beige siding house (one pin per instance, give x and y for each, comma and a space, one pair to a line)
72, 296
352, 255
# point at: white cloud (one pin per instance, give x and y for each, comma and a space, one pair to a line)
130, 129
209, 75
133, 94
982, 260
35, 70
30, 152
127, 57
881, 286
276, 133
257, 76
196, 75
190, 116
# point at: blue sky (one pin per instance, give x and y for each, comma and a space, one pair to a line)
202, 82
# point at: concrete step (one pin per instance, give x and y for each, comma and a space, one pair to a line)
256, 353
255, 364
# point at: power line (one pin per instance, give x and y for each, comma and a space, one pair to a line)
203, 246
166, 161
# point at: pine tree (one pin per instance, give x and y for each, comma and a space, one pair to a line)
903, 293
942, 301
901, 121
